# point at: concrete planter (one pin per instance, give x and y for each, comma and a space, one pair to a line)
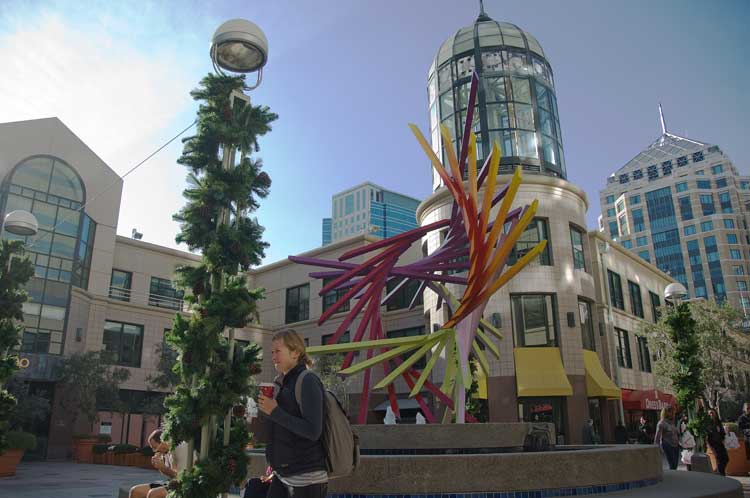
9, 460
737, 465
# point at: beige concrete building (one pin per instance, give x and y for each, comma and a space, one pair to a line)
92, 290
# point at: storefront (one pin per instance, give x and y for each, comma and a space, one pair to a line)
542, 387
646, 404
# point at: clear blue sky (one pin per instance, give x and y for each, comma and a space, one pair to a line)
347, 77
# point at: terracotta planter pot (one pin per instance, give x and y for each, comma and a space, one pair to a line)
83, 449
737, 465
8, 461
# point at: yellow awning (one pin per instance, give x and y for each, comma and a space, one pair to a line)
540, 372
598, 385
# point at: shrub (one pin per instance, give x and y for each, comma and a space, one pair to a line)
125, 448
147, 451
99, 449
732, 427
21, 440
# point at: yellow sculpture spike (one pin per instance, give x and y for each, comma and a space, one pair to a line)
363, 365
502, 252
361, 345
450, 366
491, 329
411, 360
489, 190
450, 154
486, 340
481, 357
513, 270
428, 368
436, 164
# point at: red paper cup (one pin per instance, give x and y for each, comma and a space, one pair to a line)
266, 389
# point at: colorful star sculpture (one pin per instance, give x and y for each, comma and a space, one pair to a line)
476, 242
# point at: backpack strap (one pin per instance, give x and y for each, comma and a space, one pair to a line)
298, 388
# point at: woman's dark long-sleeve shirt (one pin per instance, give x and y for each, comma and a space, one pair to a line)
310, 425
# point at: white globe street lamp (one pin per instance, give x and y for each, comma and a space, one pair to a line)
675, 292
20, 223
239, 46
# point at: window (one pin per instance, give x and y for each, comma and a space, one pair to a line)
576, 239
707, 226
624, 178
403, 296
620, 205
163, 295
119, 285
610, 199
645, 256
682, 186
721, 183
738, 270
610, 212
741, 285
666, 168
330, 298
735, 254
636, 302
700, 172
686, 210
682, 161
534, 233
410, 332
614, 231
704, 184
707, 204
725, 202
627, 244
297, 303
345, 338
534, 320
697, 156
689, 230
644, 356
717, 169
587, 325
623, 348
615, 290
732, 238
123, 343
641, 241
652, 172
655, 304
729, 224
638, 224
635, 199
637, 174
744, 185
624, 225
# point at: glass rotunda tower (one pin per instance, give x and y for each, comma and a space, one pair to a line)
516, 103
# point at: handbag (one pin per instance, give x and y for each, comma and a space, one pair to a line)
731, 442
686, 456
687, 440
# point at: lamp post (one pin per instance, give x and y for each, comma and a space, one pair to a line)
602, 249
237, 46
20, 223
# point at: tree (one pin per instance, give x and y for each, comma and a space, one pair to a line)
223, 190
89, 381
327, 366
31, 409
12, 296
166, 377
711, 330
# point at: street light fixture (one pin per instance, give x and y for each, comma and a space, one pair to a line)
20, 223
239, 46
675, 292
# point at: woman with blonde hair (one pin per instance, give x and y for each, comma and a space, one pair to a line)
667, 436
295, 450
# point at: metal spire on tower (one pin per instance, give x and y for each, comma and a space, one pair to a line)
661, 118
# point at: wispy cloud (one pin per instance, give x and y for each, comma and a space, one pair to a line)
120, 81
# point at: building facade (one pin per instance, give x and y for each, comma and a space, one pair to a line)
369, 209
92, 290
682, 205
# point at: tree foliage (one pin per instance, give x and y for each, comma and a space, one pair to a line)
12, 297
328, 366
696, 344
89, 381
216, 221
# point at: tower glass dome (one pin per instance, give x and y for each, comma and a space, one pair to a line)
516, 102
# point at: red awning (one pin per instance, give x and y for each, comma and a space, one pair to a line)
647, 400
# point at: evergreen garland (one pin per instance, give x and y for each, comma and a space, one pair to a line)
686, 380
209, 384
12, 297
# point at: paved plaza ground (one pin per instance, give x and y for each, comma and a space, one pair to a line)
71, 480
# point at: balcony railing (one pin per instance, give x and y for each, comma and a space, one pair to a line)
147, 299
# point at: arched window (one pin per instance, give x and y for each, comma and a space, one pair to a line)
61, 251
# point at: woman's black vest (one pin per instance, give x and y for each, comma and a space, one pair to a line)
289, 454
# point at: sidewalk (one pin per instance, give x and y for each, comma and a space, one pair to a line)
71, 480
